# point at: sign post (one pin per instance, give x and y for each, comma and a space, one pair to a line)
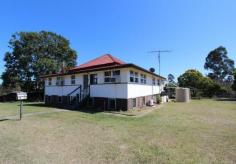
21, 104
21, 96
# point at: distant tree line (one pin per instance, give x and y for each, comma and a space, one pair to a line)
220, 81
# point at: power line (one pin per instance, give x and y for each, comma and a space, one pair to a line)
159, 52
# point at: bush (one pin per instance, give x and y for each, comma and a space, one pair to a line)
158, 99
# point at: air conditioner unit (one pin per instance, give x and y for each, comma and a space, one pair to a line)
151, 102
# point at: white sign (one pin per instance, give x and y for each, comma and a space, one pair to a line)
21, 96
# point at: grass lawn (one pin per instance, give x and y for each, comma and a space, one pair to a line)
7, 109
203, 131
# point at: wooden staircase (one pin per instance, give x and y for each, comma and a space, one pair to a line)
80, 99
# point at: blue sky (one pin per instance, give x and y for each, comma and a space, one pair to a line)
128, 29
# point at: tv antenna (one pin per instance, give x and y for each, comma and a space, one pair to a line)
159, 52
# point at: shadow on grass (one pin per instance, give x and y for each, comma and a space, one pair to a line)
225, 99
89, 110
40, 105
4, 119
9, 119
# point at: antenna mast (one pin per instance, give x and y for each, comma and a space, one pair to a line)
159, 52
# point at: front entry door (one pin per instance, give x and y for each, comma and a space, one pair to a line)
86, 81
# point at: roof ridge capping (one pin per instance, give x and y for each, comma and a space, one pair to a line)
115, 59
101, 60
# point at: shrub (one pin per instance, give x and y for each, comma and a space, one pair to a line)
158, 99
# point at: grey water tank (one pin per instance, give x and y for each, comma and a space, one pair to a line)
182, 94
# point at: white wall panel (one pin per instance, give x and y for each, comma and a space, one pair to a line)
60, 90
109, 90
138, 90
122, 90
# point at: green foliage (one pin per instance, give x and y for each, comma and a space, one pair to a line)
194, 79
209, 87
172, 85
32, 55
158, 99
191, 78
171, 81
220, 65
171, 78
234, 83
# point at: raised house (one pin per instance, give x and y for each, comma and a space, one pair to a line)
106, 83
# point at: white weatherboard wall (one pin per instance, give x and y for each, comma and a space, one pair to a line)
63, 90
109, 90
124, 90
60, 90
138, 90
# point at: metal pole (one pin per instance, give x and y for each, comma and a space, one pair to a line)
159, 63
159, 60
21, 104
152, 88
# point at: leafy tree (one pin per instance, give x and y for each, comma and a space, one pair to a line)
234, 83
209, 87
34, 54
194, 79
191, 78
171, 82
220, 65
171, 78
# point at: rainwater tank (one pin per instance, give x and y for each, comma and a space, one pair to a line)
182, 95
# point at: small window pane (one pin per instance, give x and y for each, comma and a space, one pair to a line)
116, 73
73, 79
154, 81
113, 80
107, 73
50, 81
131, 79
93, 78
107, 79
131, 73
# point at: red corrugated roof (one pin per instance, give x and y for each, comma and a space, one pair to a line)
103, 62
106, 59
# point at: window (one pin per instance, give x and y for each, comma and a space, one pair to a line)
116, 73
134, 102
72, 79
158, 82
93, 79
107, 75
49, 81
131, 76
134, 77
153, 81
112, 76
60, 81
143, 79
